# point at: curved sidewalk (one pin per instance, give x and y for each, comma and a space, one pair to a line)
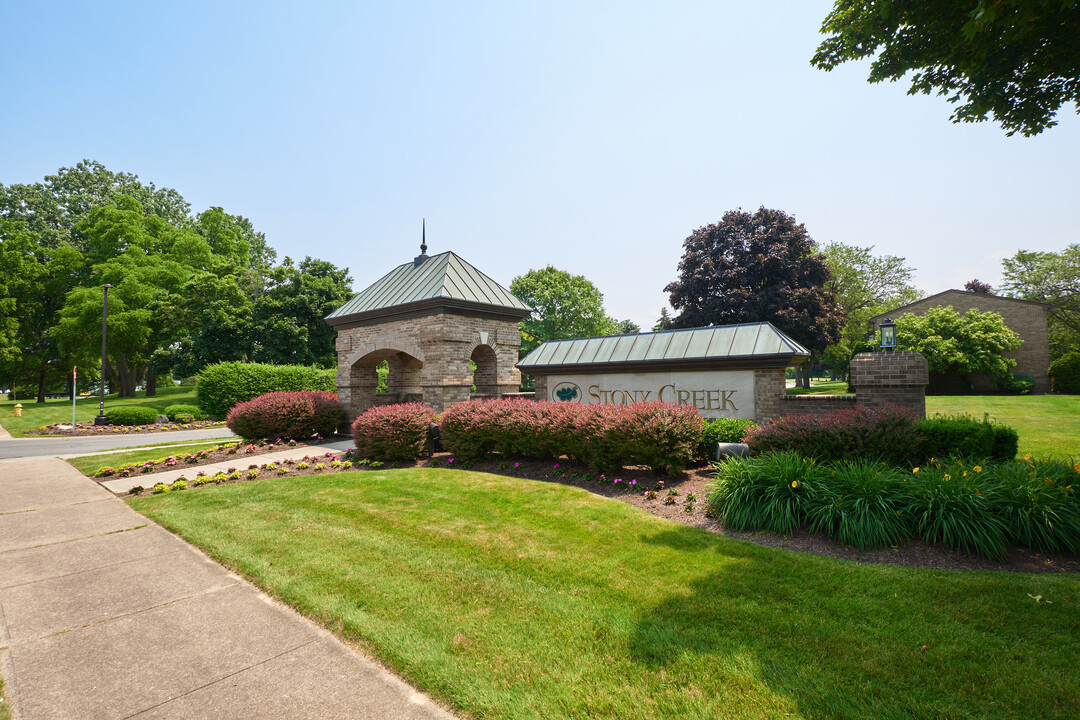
104, 614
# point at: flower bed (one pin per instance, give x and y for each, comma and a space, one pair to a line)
969, 506
91, 429
218, 453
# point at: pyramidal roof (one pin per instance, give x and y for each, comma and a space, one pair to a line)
759, 344
428, 285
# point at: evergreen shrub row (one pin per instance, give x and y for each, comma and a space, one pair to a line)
131, 415
604, 437
393, 432
287, 414
889, 434
959, 503
223, 385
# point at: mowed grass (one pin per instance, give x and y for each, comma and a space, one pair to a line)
36, 415
1049, 425
510, 598
90, 464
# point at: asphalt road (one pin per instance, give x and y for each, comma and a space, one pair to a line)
52, 446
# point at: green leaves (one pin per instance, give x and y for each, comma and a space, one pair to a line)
564, 305
1014, 60
969, 343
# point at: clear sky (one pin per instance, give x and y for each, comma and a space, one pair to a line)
592, 136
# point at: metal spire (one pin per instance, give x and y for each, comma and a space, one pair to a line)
419, 259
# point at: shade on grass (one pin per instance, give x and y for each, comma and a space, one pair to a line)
512, 598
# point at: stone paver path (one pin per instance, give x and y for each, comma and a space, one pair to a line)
104, 614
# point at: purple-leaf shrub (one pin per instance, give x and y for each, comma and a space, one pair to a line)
889, 434
393, 432
603, 437
299, 414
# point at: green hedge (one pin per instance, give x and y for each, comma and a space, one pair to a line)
224, 385
722, 430
193, 410
1066, 373
131, 415
964, 436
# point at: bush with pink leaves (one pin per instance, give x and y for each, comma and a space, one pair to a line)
887, 434
660, 435
297, 414
393, 432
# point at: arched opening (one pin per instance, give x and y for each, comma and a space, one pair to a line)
485, 376
402, 380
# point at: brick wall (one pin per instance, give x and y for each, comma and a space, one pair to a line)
1026, 319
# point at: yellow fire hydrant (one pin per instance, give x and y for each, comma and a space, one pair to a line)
18, 409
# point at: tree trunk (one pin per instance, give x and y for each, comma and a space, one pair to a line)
127, 377
41, 385
151, 383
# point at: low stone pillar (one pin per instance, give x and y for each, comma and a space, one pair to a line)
891, 378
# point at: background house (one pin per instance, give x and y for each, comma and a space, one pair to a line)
1026, 318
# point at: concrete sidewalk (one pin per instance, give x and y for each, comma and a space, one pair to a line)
240, 462
104, 614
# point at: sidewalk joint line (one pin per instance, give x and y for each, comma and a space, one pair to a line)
85, 537
224, 677
94, 569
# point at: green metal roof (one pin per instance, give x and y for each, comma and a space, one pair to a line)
438, 281
728, 345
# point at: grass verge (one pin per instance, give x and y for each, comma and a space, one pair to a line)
35, 415
512, 598
89, 464
5, 706
1049, 425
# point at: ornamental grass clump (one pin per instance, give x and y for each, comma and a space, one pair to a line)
393, 432
769, 493
953, 505
1039, 500
861, 503
299, 414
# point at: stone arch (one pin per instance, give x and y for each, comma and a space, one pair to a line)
486, 376
357, 377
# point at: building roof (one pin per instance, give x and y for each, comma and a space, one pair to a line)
943, 293
748, 345
427, 285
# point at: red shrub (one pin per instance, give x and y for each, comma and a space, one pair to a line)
298, 414
603, 437
393, 432
889, 434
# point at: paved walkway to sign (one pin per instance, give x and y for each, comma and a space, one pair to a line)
104, 614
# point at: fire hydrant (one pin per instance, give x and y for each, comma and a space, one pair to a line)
18, 409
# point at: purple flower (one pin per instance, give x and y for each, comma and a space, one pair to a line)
617, 480
450, 460
556, 464
633, 482
517, 464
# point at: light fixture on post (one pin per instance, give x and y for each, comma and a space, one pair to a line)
101, 419
888, 335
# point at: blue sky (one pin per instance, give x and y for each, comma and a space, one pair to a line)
592, 136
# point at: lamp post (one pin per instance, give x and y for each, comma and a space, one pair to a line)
888, 335
101, 419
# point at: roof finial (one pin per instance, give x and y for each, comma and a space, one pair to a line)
419, 259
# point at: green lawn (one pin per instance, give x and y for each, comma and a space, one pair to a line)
1049, 425
90, 464
509, 598
35, 415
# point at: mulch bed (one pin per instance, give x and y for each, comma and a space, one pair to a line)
92, 429
694, 480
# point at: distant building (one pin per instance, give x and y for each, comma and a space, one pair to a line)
1025, 318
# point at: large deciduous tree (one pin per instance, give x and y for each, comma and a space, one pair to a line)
865, 284
751, 267
564, 306
955, 345
1052, 278
1016, 60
